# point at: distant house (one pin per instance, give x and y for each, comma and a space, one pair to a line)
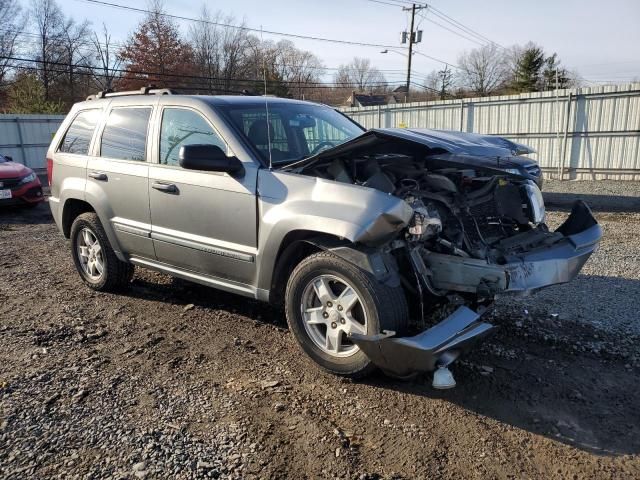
369, 99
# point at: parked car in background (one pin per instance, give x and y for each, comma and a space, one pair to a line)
385, 246
19, 185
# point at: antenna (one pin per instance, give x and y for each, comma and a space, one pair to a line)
266, 99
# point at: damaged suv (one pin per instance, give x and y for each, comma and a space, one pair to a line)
385, 246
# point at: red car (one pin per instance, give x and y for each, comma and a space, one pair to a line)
19, 185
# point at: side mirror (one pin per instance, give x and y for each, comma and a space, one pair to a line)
209, 158
8, 157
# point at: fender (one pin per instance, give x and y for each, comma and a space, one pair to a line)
290, 202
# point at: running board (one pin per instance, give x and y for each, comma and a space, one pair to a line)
440, 345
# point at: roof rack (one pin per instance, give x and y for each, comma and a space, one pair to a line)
148, 90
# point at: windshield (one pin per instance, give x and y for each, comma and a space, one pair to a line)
295, 130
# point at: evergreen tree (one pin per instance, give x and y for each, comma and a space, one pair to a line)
528, 71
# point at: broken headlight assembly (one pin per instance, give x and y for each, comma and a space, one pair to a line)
535, 203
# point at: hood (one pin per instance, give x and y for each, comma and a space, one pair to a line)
468, 148
13, 170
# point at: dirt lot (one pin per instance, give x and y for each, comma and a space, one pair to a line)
175, 380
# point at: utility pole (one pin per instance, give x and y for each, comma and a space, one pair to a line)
412, 37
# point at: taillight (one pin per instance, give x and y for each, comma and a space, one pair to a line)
49, 170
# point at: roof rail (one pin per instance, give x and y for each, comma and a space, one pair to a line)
148, 90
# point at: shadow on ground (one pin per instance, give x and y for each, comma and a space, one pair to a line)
19, 215
597, 203
551, 378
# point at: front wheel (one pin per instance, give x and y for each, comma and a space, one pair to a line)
327, 298
93, 256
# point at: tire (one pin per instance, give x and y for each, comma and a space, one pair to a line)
115, 274
382, 308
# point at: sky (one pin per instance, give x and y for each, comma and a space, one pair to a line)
600, 40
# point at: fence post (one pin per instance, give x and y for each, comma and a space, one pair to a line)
564, 138
379, 117
21, 140
461, 113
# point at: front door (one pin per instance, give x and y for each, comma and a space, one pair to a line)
204, 222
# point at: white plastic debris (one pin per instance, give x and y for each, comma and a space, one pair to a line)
443, 379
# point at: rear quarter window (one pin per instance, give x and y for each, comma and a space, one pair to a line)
125, 135
78, 136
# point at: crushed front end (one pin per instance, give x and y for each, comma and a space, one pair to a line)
476, 233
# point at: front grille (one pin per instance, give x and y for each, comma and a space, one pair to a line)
9, 182
486, 216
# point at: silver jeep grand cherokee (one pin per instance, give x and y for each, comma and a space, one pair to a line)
367, 237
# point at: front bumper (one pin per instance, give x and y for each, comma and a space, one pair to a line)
440, 345
443, 343
29, 193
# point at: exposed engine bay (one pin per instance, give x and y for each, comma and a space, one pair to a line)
461, 211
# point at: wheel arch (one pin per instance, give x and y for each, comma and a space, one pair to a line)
299, 244
71, 209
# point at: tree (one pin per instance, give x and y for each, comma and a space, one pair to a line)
299, 68
528, 71
220, 53
483, 70
26, 95
49, 23
12, 23
360, 75
74, 40
552, 72
440, 82
108, 62
155, 53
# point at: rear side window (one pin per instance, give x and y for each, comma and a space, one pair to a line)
125, 134
78, 136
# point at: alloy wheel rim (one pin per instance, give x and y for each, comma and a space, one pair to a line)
332, 309
90, 254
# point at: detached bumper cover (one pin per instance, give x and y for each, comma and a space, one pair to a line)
440, 344
524, 273
561, 262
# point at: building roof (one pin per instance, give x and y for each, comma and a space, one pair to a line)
370, 100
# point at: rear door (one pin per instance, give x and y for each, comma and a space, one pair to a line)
117, 177
204, 222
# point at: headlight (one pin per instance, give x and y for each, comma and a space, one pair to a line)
535, 201
29, 178
515, 171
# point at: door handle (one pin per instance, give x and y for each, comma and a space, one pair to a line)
98, 176
165, 187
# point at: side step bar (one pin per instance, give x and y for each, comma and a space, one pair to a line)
440, 345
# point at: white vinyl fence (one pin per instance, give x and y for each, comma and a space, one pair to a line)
27, 137
587, 133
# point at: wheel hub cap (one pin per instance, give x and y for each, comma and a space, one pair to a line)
331, 309
90, 254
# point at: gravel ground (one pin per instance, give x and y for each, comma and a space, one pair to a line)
609, 283
602, 195
174, 380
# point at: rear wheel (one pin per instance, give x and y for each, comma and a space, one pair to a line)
95, 260
327, 298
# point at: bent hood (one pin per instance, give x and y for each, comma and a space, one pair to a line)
468, 148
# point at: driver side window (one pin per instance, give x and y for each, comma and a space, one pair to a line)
184, 127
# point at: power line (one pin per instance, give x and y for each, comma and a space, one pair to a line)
452, 31
250, 29
91, 47
292, 83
